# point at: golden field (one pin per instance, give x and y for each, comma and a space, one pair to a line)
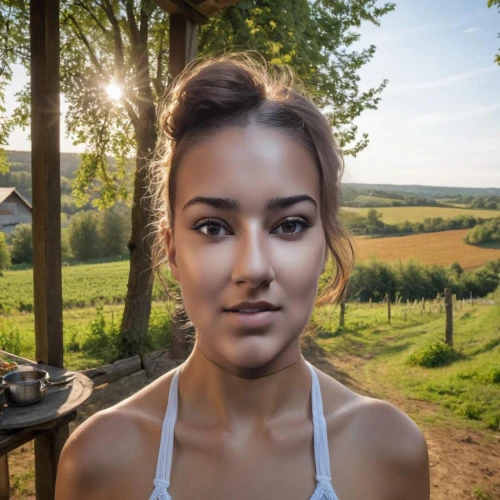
443, 248
395, 215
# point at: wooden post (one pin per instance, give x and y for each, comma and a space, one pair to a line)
471, 298
449, 316
371, 305
46, 181
4, 477
388, 307
183, 43
183, 49
46, 223
342, 315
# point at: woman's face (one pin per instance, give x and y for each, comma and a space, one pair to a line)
250, 253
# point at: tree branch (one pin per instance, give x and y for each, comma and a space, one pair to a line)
134, 32
158, 81
83, 38
117, 36
87, 9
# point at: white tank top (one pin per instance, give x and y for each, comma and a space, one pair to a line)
324, 489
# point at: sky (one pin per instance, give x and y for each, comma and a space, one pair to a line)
438, 122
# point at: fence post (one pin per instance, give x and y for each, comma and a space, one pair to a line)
449, 316
388, 307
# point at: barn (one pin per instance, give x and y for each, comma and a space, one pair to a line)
14, 209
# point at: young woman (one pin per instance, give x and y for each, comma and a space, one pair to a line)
247, 196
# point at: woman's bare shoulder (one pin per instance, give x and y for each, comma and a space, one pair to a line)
96, 456
380, 439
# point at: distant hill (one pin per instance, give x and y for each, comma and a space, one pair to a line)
19, 174
434, 192
20, 161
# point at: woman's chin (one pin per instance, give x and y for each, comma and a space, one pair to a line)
252, 352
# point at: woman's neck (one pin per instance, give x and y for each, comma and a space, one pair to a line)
232, 397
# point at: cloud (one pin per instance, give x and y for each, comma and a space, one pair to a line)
443, 82
470, 30
432, 118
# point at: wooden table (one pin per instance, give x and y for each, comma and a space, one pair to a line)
45, 422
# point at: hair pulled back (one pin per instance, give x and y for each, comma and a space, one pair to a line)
239, 89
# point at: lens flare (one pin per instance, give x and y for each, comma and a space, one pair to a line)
115, 92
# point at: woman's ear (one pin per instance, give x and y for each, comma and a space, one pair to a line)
171, 253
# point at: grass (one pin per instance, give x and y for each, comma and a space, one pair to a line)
104, 282
442, 248
395, 215
468, 386
88, 333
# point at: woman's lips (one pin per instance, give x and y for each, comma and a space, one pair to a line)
251, 320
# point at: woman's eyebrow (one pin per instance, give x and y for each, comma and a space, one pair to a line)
234, 205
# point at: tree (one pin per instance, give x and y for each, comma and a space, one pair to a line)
14, 20
491, 3
4, 253
22, 244
111, 230
83, 236
125, 44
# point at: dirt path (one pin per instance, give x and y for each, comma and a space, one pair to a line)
460, 460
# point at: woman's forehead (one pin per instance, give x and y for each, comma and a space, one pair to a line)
250, 164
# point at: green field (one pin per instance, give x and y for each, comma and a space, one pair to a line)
396, 215
373, 201
83, 285
468, 389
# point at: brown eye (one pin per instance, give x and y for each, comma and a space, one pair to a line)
212, 226
290, 224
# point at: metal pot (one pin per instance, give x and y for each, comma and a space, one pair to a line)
28, 386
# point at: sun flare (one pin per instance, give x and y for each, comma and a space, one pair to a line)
115, 92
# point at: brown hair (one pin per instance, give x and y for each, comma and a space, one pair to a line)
235, 90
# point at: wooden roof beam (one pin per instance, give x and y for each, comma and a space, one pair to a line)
211, 7
198, 11
182, 7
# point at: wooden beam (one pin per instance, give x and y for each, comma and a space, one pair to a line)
183, 43
210, 7
182, 7
46, 180
197, 11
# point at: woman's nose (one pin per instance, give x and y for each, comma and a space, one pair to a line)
252, 260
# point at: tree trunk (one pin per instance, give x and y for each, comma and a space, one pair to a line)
133, 338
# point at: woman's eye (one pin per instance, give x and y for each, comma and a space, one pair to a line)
290, 224
289, 227
212, 227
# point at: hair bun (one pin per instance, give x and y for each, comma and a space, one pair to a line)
211, 91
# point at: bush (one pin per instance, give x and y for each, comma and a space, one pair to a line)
413, 280
4, 253
22, 244
433, 355
112, 231
83, 236
487, 232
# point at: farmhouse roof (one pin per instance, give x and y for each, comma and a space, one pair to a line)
5, 192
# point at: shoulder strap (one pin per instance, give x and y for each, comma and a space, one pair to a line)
164, 463
321, 453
